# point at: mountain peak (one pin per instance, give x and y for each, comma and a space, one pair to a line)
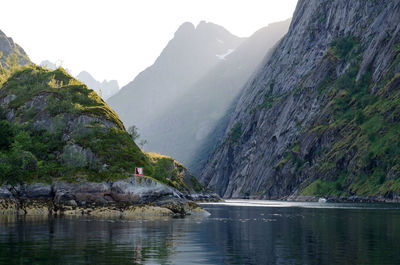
201, 23
83, 74
205, 26
184, 29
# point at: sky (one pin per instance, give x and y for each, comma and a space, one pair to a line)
120, 38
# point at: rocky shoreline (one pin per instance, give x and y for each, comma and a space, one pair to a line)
131, 197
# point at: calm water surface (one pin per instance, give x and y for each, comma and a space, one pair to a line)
237, 232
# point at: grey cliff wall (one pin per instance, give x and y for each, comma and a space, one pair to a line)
283, 98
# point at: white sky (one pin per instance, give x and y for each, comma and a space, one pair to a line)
117, 39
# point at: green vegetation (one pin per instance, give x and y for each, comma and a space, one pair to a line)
62, 130
134, 132
30, 153
64, 93
269, 99
170, 172
167, 170
321, 188
292, 156
365, 158
342, 47
235, 133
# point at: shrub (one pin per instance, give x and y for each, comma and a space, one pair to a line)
341, 47
6, 135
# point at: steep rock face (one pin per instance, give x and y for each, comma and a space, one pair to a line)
188, 56
9, 47
186, 128
305, 123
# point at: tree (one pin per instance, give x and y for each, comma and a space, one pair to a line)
134, 132
142, 143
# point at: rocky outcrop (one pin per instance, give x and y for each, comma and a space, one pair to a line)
289, 133
60, 129
133, 196
8, 205
76, 156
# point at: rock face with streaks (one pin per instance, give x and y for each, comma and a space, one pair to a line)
321, 114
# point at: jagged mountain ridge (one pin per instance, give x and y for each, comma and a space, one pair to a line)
304, 125
186, 128
188, 56
8, 47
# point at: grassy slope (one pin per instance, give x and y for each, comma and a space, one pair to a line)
168, 170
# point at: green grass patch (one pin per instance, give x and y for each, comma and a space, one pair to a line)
235, 133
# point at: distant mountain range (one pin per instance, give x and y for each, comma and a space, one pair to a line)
179, 100
51, 65
105, 89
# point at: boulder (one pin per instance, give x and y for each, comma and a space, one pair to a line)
5, 193
38, 190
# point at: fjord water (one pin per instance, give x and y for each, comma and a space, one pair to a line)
237, 232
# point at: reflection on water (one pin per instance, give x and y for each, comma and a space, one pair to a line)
267, 233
